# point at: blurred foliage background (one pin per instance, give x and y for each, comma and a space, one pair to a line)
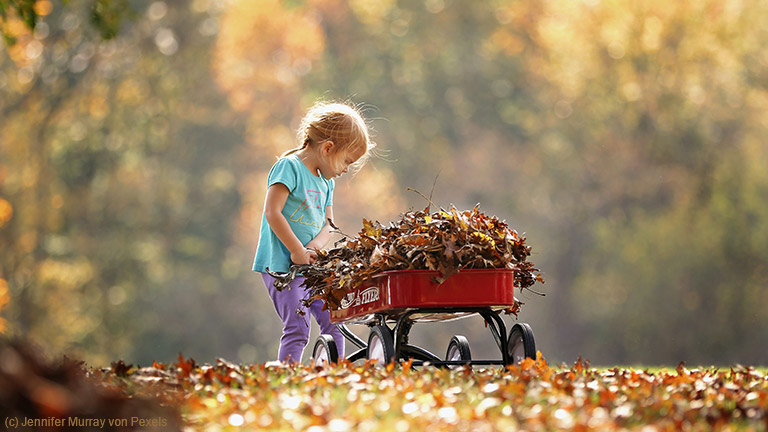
626, 139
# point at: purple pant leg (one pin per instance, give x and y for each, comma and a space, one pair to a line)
323, 318
296, 327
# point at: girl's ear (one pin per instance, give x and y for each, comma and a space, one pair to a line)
327, 148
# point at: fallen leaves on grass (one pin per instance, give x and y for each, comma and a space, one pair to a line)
530, 396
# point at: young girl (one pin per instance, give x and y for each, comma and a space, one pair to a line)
333, 137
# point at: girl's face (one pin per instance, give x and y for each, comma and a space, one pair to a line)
334, 165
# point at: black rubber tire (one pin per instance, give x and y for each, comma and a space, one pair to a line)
521, 343
381, 345
325, 350
458, 349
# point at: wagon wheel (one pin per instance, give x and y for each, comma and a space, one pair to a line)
325, 351
521, 344
458, 349
381, 346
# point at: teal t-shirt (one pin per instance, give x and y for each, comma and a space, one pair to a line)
304, 209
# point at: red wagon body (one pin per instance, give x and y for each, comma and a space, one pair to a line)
394, 292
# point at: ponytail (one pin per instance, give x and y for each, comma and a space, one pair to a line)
304, 145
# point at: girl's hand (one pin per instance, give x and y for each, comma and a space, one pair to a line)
303, 256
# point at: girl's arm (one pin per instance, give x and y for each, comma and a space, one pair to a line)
277, 194
322, 238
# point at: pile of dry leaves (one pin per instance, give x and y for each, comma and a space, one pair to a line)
445, 241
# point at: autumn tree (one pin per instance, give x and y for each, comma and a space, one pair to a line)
625, 140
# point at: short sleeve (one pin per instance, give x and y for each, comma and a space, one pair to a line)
329, 199
283, 171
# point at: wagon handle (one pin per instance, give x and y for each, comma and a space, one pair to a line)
351, 336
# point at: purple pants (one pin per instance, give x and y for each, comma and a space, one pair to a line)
295, 326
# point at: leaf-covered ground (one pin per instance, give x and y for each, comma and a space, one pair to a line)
529, 396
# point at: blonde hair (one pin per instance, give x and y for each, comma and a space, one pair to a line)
338, 122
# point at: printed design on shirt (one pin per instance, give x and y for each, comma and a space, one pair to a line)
304, 213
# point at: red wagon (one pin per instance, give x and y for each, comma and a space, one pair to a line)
395, 300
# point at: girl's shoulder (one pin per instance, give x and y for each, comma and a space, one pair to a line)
287, 162
284, 171
291, 158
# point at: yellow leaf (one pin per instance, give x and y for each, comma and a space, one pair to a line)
484, 237
370, 229
460, 220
